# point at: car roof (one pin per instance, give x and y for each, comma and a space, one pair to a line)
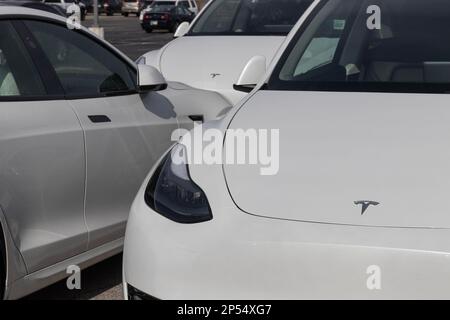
39, 5
6, 10
4, 2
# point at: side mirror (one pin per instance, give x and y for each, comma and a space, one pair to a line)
150, 79
252, 74
183, 28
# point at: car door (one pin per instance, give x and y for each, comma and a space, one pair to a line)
42, 157
125, 134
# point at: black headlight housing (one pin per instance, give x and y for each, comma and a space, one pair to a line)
172, 193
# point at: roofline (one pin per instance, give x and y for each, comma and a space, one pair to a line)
13, 12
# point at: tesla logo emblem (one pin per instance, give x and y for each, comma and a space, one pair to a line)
215, 75
365, 205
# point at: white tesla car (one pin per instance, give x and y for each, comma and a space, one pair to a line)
359, 206
80, 126
211, 52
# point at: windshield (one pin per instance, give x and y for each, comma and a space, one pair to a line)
250, 17
372, 45
161, 6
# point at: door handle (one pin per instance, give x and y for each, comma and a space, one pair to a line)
197, 118
99, 118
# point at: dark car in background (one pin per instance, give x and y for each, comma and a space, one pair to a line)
89, 5
165, 15
109, 7
144, 4
64, 5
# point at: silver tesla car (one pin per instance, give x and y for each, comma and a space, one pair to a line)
80, 126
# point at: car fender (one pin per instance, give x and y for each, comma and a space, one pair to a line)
188, 101
15, 265
152, 58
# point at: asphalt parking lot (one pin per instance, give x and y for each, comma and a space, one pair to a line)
103, 281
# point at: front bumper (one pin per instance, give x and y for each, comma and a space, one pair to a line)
239, 256
129, 10
135, 294
147, 24
242, 256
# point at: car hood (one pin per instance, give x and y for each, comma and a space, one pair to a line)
340, 148
214, 62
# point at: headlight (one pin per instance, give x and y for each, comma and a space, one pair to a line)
172, 193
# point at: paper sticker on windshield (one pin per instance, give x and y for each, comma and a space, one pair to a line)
339, 24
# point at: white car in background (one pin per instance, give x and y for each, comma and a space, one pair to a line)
80, 126
210, 53
359, 208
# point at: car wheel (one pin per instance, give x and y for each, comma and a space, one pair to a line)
149, 30
109, 14
137, 14
125, 14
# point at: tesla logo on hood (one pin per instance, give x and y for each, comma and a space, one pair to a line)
365, 205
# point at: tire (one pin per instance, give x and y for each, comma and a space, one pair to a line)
109, 14
125, 14
149, 30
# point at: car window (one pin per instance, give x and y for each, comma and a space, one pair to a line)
372, 45
162, 6
185, 11
320, 51
18, 75
250, 17
186, 5
84, 67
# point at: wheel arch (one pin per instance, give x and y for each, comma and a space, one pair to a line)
11, 258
